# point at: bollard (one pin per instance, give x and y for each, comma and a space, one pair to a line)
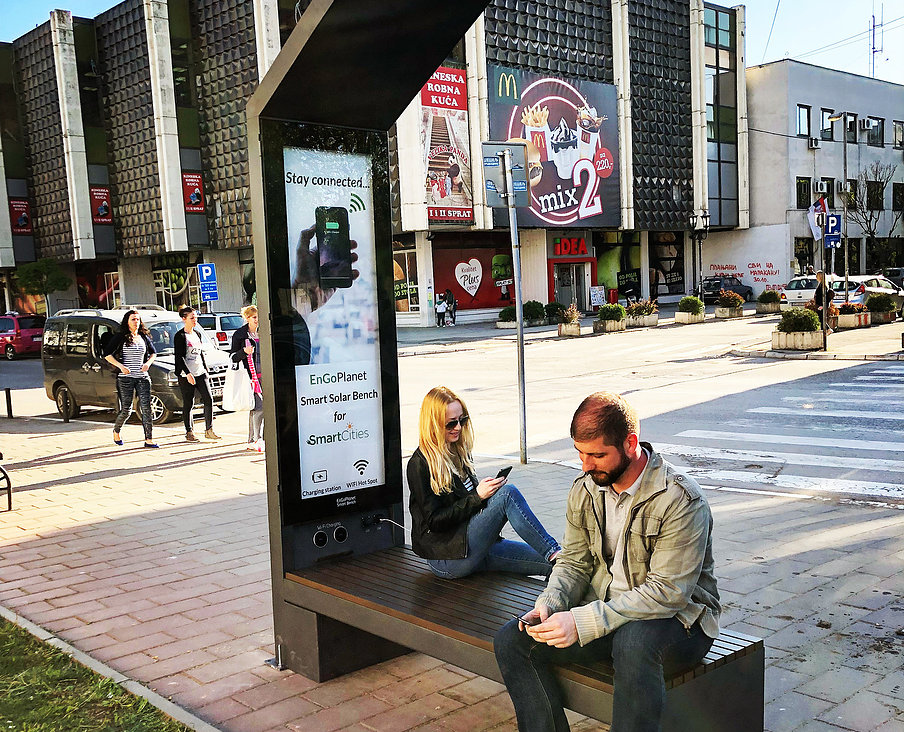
9, 403
66, 405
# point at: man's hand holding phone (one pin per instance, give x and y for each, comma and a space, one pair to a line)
307, 269
557, 630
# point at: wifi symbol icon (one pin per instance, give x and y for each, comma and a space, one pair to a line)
361, 466
356, 203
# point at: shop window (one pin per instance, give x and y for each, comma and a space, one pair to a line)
111, 282
803, 193
176, 281
875, 136
803, 120
404, 285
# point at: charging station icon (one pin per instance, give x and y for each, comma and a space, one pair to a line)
318, 476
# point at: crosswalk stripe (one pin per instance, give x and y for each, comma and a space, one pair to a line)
814, 441
889, 370
840, 413
848, 384
831, 396
788, 458
881, 378
796, 482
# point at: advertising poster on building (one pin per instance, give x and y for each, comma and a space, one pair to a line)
666, 264
332, 265
193, 192
20, 216
445, 141
571, 131
101, 212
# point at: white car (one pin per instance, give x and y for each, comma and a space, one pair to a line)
220, 327
800, 290
860, 287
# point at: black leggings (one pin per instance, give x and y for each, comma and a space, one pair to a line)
188, 398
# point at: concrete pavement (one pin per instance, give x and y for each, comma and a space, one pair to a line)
155, 563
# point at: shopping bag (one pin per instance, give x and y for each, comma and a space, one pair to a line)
237, 393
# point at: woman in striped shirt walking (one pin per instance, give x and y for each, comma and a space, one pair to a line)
132, 353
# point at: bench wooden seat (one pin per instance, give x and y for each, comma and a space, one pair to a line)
393, 595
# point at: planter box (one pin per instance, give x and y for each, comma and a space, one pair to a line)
729, 312
506, 324
689, 317
797, 341
569, 330
642, 321
853, 320
882, 318
768, 307
608, 326
514, 323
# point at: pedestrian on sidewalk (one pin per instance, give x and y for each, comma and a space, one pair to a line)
456, 519
634, 583
245, 349
131, 352
450, 306
191, 369
441, 308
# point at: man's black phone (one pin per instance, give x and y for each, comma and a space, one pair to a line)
333, 246
504, 472
528, 621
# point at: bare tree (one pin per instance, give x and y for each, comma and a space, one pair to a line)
866, 206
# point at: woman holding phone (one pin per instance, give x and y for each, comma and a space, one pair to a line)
456, 519
246, 350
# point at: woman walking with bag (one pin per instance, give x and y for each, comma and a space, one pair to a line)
191, 368
132, 353
245, 350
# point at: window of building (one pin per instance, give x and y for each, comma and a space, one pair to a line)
851, 135
876, 134
803, 193
874, 191
826, 129
852, 191
405, 289
897, 196
830, 191
803, 120
898, 134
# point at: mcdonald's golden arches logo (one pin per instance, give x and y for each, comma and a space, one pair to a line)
511, 85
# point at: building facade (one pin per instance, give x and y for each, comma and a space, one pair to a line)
125, 157
797, 156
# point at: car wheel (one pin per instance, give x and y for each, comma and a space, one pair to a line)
159, 411
748, 296
60, 396
9, 352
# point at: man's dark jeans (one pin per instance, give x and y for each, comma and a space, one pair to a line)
642, 652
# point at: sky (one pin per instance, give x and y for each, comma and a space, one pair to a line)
802, 29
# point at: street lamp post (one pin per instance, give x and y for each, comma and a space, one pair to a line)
844, 194
699, 226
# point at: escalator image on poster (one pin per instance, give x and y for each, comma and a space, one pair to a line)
334, 299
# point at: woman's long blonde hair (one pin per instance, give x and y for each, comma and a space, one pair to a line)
444, 458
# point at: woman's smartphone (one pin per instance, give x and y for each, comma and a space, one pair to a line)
504, 472
333, 246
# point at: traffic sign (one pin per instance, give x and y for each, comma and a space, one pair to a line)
494, 174
833, 231
207, 278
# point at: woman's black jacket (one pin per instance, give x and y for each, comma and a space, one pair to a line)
237, 348
439, 523
180, 350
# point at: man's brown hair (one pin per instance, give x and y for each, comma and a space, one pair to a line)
607, 415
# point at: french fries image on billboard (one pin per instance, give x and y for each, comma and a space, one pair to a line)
534, 116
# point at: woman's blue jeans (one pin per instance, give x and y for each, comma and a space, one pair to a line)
642, 652
486, 554
126, 387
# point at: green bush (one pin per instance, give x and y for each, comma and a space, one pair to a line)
507, 314
729, 299
642, 308
533, 310
554, 309
798, 320
851, 308
769, 297
880, 302
690, 304
612, 312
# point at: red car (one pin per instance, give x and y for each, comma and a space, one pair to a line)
21, 334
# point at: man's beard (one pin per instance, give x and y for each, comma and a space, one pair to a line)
605, 479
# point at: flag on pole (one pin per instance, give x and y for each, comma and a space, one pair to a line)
818, 207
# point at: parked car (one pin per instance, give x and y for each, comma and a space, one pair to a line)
860, 287
800, 290
73, 358
713, 285
220, 327
21, 334
895, 274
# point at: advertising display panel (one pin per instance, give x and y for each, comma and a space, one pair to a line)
20, 216
100, 205
445, 141
571, 131
330, 268
192, 192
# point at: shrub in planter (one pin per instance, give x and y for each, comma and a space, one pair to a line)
571, 322
612, 312
851, 308
880, 302
769, 297
533, 310
690, 304
554, 311
832, 312
507, 314
641, 308
729, 299
798, 320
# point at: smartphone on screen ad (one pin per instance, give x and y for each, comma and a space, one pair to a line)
333, 246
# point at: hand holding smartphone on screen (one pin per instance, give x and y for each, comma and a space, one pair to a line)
504, 473
333, 246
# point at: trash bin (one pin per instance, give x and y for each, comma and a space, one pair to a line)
612, 296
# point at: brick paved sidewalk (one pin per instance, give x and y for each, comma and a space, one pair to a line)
156, 563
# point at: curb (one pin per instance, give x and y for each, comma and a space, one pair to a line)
162, 703
817, 355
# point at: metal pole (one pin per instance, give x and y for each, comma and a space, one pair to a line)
825, 304
844, 202
9, 404
516, 266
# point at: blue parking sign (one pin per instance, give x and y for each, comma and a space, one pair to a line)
207, 278
833, 231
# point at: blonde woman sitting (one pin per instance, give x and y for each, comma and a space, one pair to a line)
456, 519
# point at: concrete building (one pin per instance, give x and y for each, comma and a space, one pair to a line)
797, 156
125, 158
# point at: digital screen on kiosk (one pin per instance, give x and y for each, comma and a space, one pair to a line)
329, 285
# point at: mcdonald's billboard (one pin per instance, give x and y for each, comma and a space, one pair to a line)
571, 130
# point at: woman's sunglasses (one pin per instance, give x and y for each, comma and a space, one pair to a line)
453, 423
